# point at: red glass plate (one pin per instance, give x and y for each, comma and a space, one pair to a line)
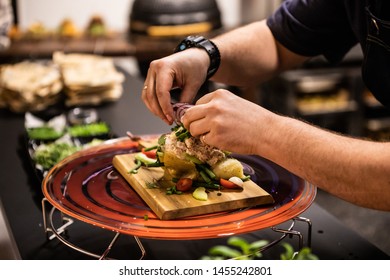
87, 187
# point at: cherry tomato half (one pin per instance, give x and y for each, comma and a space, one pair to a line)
150, 154
227, 184
184, 184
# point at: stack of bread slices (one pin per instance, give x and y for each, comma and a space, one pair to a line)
89, 79
29, 86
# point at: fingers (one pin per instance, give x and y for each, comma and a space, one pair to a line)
206, 120
195, 120
203, 111
188, 93
185, 70
145, 96
208, 139
205, 99
163, 86
158, 100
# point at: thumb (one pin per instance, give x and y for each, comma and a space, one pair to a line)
189, 92
205, 98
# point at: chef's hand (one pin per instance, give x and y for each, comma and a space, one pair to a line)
228, 122
186, 70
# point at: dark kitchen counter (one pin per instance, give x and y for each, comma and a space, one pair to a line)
119, 44
114, 45
21, 196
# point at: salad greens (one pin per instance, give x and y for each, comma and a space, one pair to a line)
51, 141
49, 155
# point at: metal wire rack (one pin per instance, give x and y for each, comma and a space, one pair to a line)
53, 232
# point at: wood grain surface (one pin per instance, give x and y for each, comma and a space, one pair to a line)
168, 207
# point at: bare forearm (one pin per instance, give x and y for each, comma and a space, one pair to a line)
250, 55
351, 169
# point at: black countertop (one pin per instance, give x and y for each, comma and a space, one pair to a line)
21, 196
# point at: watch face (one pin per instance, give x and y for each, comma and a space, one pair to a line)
189, 42
181, 47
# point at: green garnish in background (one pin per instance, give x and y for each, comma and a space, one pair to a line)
85, 130
44, 133
49, 155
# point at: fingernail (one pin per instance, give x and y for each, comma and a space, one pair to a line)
169, 118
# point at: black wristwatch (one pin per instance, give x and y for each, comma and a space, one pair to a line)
208, 46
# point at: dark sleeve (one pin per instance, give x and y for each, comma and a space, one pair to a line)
311, 28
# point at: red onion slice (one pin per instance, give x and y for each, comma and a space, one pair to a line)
179, 110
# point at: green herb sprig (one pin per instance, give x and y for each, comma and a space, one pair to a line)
238, 248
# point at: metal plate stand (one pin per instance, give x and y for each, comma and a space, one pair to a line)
53, 232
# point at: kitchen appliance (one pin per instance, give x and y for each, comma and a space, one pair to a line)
173, 17
156, 24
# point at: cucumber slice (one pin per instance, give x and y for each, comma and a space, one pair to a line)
144, 159
200, 194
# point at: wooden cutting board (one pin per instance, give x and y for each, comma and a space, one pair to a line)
168, 207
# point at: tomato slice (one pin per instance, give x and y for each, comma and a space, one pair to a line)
227, 184
150, 154
184, 184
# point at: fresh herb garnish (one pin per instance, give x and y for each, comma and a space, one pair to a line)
173, 190
151, 185
181, 133
137, 166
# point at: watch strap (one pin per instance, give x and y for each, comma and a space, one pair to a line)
203, 43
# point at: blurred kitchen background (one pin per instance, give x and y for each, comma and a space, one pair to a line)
332, 97
116, 13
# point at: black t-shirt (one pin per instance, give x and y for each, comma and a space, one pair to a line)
332, 27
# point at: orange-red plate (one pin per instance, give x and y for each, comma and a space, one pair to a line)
87, 187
